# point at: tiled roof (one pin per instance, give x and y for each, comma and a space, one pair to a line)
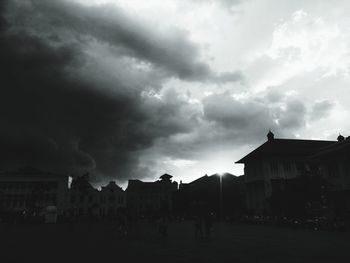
338, 148
206, 178
287, 147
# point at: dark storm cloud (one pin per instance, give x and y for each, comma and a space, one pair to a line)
321, 109
246, 121
48, 119
230, 112
77, 87
58, 120
228, 124
292, 116
168, 50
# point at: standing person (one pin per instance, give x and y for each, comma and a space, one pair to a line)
198, 224
123, 225
163, 227
208, 223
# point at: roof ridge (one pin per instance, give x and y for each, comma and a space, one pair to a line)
308, 140
295, 147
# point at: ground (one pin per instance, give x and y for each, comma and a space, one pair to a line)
229, 243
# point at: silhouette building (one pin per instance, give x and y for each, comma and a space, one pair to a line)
151, 198
112, 200
32, 190
334, 164
83, 200
270, 167
221, 195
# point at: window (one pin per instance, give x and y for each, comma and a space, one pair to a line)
54, 199
301, 168
333, 170
274, 166
287, 166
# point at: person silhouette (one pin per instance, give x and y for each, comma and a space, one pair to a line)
208, 223
198, 224
163, 227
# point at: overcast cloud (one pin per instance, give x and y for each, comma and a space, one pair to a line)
133, 90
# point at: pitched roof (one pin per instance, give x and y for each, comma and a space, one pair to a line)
286, 147
111, 184
166, 176
207, 178
338, 148
200, 179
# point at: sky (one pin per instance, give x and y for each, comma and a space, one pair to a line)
134, 89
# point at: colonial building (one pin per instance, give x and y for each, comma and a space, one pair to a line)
269, 167
150, 198
32, 190
83, 200
112, 200
334, 163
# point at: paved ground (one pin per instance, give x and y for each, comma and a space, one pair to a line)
229, 243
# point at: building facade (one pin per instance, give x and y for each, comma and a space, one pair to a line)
32, 190
275, 164
85, 201
334, 163
112, 200
221, 195
151, 198
82, 199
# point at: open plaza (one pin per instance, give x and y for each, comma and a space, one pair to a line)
103, 242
